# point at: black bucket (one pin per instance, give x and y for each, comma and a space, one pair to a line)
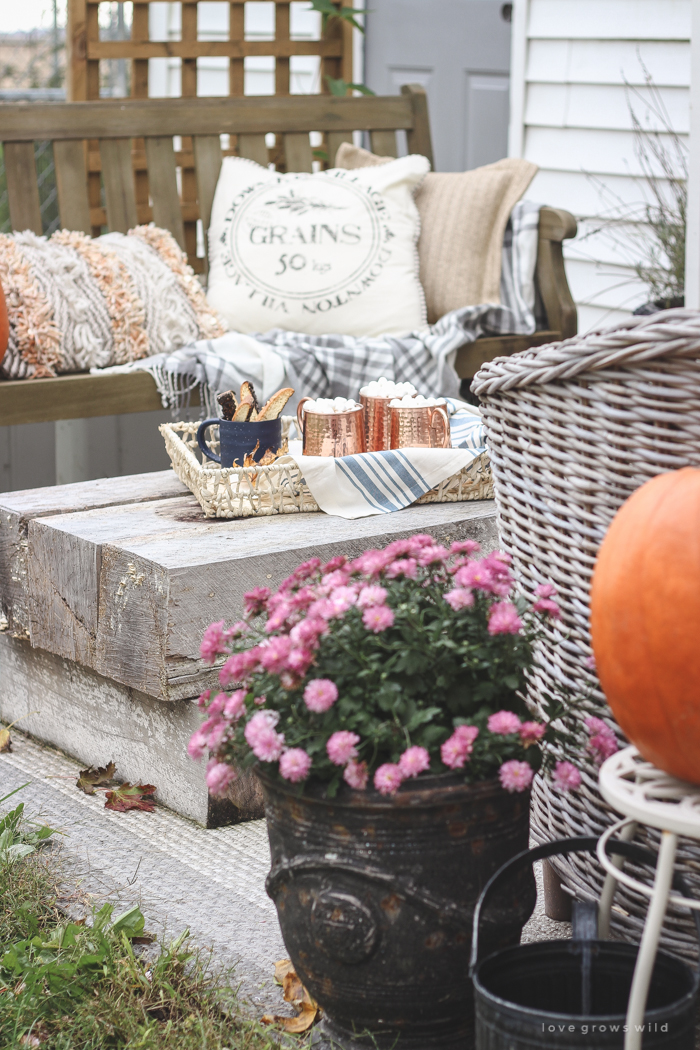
558, 995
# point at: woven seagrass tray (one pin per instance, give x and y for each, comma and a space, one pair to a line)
243, 492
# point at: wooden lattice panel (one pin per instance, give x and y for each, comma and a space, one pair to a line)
86, 50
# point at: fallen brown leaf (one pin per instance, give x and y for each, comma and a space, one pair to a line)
293, 992
5, 742
131, 796
89, 779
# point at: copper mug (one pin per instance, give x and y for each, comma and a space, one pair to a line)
415, 427
377, 422
331, 433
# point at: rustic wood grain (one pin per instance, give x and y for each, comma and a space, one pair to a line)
118, 178
253, 147
79, 396
72, 185
162, 181
154, 575
419, 138
297, 152
200, 116
333, 143
383, 143
194, 49
207, 154
17, 509
22, 186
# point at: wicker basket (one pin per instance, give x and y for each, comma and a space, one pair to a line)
241, 492
573, 429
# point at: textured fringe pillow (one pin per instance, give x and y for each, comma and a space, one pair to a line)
329, 253
463, 218
75, 303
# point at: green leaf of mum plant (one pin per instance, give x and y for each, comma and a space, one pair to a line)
340, 87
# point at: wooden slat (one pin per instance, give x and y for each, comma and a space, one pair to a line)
213, 48
333, 141
419, 139
207, 154
118, 178
76, 51
297, 152
162, 180
383, 143
253, 147
22, 186
139, 89
236, 31
77, 397
72, 185
135, 118
281, 63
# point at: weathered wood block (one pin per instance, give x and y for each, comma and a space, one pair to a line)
97, 720
129, 590
18, 508
122, 575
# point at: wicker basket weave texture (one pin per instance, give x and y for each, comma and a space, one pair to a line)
239, 492
573, 429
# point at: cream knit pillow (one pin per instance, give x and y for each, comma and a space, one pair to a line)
329, 253
463, 218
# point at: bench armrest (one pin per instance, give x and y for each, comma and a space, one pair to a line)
556, 225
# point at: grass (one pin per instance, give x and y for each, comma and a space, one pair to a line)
73, 986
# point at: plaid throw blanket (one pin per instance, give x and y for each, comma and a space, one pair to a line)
336, 365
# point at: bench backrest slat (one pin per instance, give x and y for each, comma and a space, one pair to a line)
118, 178
162, 183
22, 186
71, 185
139, 118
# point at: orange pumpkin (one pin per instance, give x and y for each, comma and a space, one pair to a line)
4, 325
645, 621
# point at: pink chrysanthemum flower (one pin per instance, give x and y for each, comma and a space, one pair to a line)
465, 547
197, 745
378, 618
259, 723
371, 562
235, 705
216, 737
307, 632
299, 661
504, 619
503, 722
603, 742
388, 779
273, 654
515, 776
475, 574
548, 607
545, 590
590, 663
320, 695
204, 698
256, 600
219, 776
413, 761
239, 666
213, 642
566, 776
237, 630
279, 617
531, 732
341, 747
431, 555
295, 764
356, 775
335, 563
217, 705
407, 567
370, 596
459, 598
268, 745
456, 750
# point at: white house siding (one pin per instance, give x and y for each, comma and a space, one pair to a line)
570, 115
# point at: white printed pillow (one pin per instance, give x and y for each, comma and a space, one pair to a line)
330, 253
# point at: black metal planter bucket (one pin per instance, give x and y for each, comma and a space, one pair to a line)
559, 995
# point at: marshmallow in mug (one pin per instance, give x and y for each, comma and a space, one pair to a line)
384, 387
417, 402
330, 405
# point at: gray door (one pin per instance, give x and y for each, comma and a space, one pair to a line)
459, 50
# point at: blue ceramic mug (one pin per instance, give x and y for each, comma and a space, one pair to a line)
238, 440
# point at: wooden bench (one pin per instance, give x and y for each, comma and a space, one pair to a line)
133, 139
